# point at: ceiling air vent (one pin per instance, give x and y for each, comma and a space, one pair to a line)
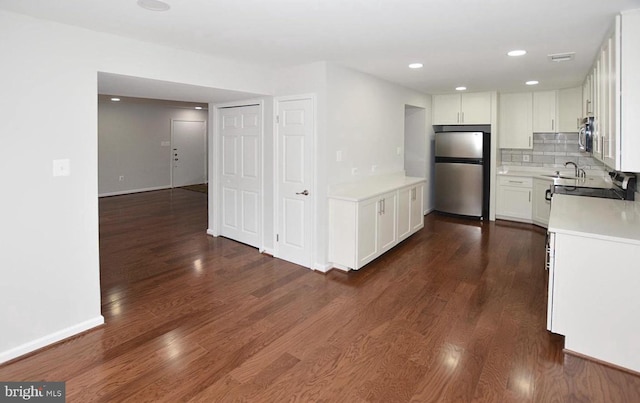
562, 57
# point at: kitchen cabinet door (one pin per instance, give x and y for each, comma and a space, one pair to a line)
446, 109
475, 108
541, 207
404, 212
472, 108
417, 212
513, 201
515, 121
367, 221
410, 215
628, 65
610, 87
387, 235
587, 97
569, 110
544, 112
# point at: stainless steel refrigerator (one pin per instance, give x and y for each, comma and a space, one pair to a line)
461, 173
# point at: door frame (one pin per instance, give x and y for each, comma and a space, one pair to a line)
276, 174
206, 144
215, 168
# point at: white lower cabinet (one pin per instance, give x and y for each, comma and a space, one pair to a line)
541, 206
361, 230
410, 216
593, 297
514, 198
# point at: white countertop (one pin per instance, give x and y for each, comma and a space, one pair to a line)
594, 179
607, 219
371, 187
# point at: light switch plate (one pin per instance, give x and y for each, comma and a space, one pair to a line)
165, 144
61, 167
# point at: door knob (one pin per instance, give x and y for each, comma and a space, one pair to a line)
304, 193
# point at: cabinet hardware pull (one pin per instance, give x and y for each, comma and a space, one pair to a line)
458, 117
529, 196
552, 124
462, 117
516, 182
529, 141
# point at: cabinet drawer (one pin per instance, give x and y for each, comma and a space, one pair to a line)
516, 181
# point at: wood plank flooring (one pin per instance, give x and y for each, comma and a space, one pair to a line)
456, 313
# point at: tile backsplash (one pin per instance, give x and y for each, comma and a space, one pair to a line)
550, 150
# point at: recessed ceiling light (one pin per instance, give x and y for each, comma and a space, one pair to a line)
154, 5
198, 107
461, 88
518, 52
415, 65
115, 99
532, 82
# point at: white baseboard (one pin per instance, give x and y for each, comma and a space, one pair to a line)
322, 267
211, 232
427, 211
50, 339
267, 251
126, 192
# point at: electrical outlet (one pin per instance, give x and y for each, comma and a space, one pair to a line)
339, 156
354, 171
374, 168
399, 150
121, 178
526, 158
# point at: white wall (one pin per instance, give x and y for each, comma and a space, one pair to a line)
419, 142
129, 144
49, 238
365, 120
50, 266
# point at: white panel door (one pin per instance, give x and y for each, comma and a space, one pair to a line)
240, 133
294, 136
188, 153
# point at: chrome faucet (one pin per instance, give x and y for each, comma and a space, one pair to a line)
575, 167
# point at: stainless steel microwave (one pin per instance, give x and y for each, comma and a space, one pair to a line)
585, 134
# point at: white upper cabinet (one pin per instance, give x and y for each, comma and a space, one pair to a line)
629, 59
544, 112
569, 110
515, 121
614, 87
462, 109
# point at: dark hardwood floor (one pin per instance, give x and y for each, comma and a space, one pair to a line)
456, 313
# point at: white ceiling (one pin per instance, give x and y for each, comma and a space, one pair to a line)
460, 42
127, 86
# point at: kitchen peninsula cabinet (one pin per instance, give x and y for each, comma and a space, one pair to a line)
594, 277
472, 108
368, 218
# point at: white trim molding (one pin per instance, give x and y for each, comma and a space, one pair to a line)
50, 339
126, 192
